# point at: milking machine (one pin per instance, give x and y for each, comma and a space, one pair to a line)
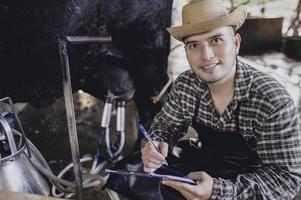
24, 169
17, 163
107, 150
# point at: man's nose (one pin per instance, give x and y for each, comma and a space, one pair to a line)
206, 52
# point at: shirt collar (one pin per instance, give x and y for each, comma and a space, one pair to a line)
243, 81
205, 93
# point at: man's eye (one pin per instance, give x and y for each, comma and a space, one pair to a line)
216, 40
193, 46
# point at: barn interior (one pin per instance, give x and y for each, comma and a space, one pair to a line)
78, 76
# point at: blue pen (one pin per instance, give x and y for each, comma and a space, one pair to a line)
146, 135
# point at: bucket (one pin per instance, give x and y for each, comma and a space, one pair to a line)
17, 172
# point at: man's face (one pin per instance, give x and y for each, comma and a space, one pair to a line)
212, 55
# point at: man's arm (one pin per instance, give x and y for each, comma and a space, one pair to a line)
279, 149
170, 124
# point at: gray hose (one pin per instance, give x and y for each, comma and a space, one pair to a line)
40, 163
45, 169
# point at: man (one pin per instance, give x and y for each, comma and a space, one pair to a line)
246, 121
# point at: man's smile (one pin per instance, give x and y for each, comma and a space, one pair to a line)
208, 67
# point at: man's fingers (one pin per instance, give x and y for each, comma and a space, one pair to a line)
148, 170
163, 147
202, 190
149, 149
149, 152
199, 175
150, 158
156, 155
150, 164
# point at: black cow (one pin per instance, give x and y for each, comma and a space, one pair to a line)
135, 60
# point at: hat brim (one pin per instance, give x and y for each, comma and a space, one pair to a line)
236, 18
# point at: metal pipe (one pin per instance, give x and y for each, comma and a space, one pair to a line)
19, 124
120, 126
120, 116
70, 116
87, 39
9, 135
18, 120
73, 139
106, 114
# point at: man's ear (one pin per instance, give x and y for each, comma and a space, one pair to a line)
237, 42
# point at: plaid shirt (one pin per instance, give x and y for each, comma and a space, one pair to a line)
266, 111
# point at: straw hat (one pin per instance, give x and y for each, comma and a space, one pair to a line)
205, 15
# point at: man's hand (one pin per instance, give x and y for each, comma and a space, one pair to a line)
152, 159
201, 191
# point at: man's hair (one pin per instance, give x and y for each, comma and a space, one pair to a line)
233, 28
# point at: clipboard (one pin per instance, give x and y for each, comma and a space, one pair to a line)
152, 175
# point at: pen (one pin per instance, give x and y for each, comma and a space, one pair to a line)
146, 135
